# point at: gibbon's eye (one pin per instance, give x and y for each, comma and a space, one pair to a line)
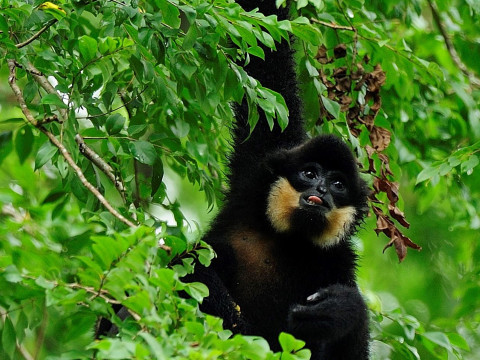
338, 185
310, 174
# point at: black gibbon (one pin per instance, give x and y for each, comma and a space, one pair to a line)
284, 257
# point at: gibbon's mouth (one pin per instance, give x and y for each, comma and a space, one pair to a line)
312, 200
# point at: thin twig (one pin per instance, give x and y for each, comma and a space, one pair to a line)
47, 86
28, 115
117, 108
91, 155
35, 36
355, 37
118, 2
41, 333
450, 47
333, 25
26, 355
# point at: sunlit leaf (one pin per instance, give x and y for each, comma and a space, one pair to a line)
44, 154
143, 151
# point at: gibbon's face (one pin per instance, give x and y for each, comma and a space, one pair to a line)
315, 200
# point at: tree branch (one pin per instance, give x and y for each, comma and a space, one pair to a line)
35, 36
450, 48
91, 155
28, 115
47, 86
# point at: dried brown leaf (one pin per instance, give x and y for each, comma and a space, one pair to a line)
345, 102
344, 84
340, 72
398, 215
376, 79
340, 51
368, 121
356, 75
377, 103
385, 165
322, 55
380, 138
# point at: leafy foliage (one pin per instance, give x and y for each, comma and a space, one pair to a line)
117, 96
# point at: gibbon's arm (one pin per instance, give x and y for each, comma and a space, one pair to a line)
219, 301
276, 72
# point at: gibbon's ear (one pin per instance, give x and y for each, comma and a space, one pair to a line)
277, 162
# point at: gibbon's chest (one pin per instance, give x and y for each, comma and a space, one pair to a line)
257, 264
269, 274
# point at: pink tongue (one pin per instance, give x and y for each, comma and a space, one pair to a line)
315, 199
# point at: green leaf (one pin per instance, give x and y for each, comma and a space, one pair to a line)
196, 290
427, 173
115, 123
42, 282
24, 143
256, 51
157, 176
331, 106
191, 37
170, 13
304, 354
9, 337
143, 151
205, 256
289, 343
301, 4
444, 169
468, 165
3, 25
458, 341
109, 93
53, 99
5, 144
88, 47
30, 91
438, 338
137, 67
45, 153
21, 325
312, 70
302, 28
53, 196
154, 344
11, 274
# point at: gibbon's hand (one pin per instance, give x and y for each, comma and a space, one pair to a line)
329, 314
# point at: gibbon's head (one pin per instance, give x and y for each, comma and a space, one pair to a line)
318, 192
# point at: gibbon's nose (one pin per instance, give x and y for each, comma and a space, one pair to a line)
322, 188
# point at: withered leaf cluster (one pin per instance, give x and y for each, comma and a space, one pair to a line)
357, 91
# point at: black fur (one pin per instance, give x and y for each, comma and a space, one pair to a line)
265, 281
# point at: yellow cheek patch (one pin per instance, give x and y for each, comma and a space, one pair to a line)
339, 221
283, 199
